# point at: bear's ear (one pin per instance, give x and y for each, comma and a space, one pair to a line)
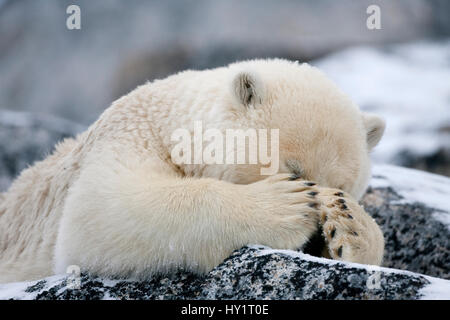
374, 126
247, 88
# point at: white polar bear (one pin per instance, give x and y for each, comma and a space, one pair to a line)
114, 203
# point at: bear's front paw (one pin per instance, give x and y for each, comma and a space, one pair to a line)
287, 211
349, 232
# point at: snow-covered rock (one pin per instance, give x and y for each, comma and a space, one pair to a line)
413, 209
253, 272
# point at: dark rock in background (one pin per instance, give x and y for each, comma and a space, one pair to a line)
437, 161
26, 138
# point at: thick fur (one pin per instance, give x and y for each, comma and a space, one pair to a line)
113, 202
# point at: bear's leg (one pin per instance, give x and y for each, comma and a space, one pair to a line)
122, 220
350, 233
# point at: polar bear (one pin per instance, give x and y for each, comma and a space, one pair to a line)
114, 203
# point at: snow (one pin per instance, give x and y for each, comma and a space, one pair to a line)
407, 84
416, 186
305, 256
438, 289
16, 290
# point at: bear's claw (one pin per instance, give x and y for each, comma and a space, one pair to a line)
350, 233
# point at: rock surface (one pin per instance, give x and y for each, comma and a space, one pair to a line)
249, 273
413, 209
411, 206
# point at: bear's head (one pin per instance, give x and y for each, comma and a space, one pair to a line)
323, 136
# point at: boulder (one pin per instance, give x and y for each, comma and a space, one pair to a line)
253, 272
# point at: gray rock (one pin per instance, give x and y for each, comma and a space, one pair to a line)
413, 209
415, 241
249, 273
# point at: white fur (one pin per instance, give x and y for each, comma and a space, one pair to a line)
112, 201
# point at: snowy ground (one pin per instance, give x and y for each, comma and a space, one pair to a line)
408, 84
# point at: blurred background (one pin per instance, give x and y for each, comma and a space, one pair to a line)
54, 81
